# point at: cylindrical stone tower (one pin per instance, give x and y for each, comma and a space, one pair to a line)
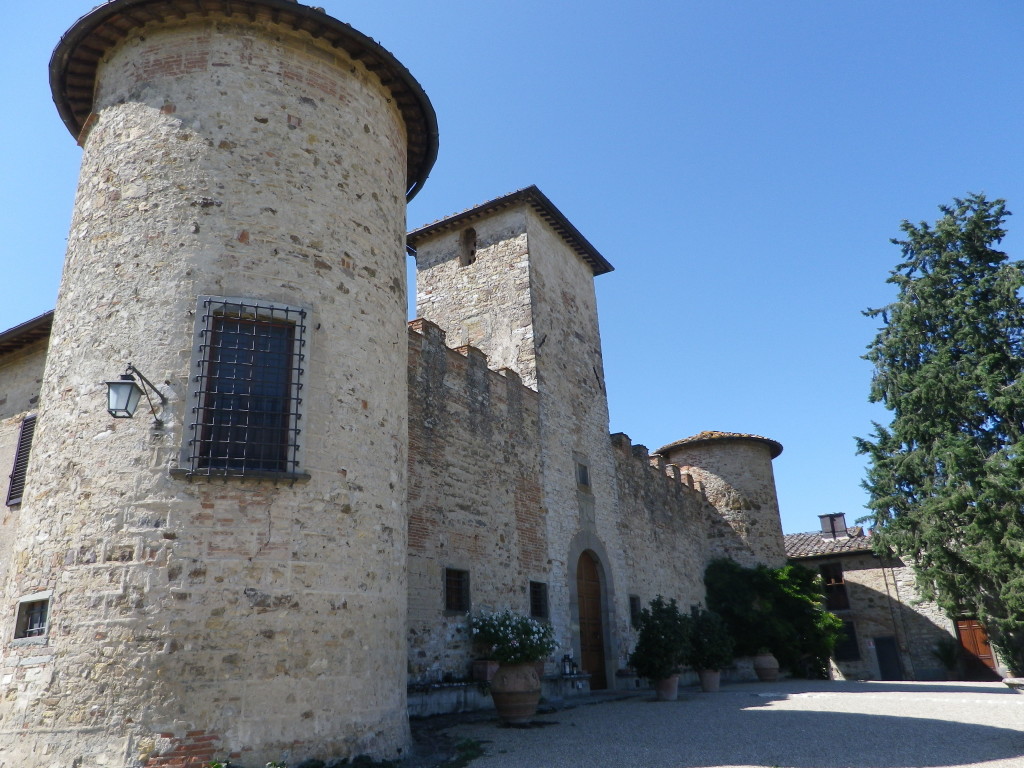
736, 472
225, 578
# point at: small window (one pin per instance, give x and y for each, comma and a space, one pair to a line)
582, 476
836, 598
32, 616
467, 247
846, 647
246, 388
17, 486
539, 600
456, 591
634, 611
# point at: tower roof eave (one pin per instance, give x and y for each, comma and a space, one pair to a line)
77, 55
541, 205
711, 436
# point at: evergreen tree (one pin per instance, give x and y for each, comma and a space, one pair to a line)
946, 477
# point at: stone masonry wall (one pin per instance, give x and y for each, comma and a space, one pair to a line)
474, 497
574, 424
885, 603
661, 519
738, 480
21, 373
485, 304
196, 618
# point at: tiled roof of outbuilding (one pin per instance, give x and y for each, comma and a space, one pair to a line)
813, 544
22, 335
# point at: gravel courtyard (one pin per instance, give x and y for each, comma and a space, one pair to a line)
790, 724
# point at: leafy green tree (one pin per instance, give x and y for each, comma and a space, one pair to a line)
663, 642
946, 476
777, 609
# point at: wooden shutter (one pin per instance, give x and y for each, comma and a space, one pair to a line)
14, 490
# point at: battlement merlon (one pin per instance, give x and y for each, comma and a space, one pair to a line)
674, 474
425, 335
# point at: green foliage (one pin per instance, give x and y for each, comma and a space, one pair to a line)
947, 651
946, 476
663, 643
710, 642
779, 609
513, 638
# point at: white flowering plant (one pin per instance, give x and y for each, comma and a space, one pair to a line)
513, 638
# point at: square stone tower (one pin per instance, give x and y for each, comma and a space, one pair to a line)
514, 278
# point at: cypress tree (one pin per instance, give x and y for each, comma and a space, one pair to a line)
946, 476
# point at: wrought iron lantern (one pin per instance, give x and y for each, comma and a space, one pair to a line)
125, 393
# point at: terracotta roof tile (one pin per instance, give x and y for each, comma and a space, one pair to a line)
710, 435
813, 544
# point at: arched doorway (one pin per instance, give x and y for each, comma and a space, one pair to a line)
588, 590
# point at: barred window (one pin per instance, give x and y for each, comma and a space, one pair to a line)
20, 470
539, 600
246, 388
634, 611
31, 620
456, 591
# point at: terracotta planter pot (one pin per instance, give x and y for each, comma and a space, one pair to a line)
710, 680
483, 670
766, 666
667, 688
515, 689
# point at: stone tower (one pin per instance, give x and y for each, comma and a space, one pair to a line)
736, 472
224, 578
514, 278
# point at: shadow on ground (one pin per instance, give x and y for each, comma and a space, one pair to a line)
928, 726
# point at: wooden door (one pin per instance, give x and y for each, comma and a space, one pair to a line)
888, 655
980, 661
588, 588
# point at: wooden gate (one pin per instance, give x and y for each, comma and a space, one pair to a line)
588, 588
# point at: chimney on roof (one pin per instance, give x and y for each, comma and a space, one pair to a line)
833, 526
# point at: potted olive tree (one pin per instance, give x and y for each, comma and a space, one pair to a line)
710, 647
661, 647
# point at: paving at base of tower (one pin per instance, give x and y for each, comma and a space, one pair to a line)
787, 724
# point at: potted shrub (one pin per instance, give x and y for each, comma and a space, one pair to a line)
661, 647
710, 646
517, 643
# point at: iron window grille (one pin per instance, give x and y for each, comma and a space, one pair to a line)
456, 591
20, 470
634, 611
539, 600
31, 622
246, 388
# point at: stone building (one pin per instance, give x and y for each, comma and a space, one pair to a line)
891, 632
313, 493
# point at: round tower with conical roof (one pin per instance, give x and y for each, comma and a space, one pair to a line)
735, 470
223, 576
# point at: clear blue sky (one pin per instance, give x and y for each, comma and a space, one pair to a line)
742, 164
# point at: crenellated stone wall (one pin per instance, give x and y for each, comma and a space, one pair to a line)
474, 497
